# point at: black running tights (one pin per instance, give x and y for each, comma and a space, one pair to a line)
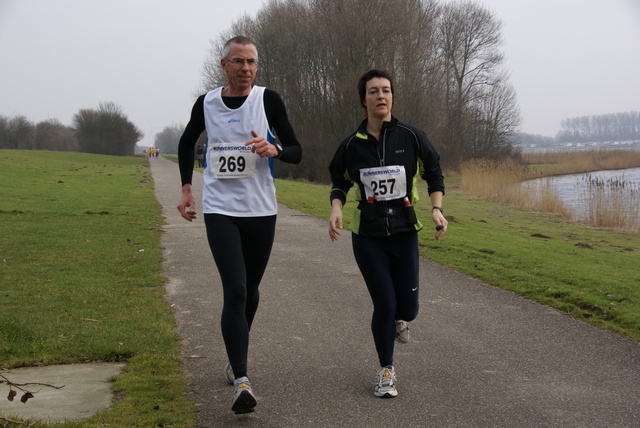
389, 266
241, 247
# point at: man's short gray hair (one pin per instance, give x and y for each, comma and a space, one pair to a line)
240, 40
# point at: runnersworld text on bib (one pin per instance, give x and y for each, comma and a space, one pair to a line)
231, 160
384, 183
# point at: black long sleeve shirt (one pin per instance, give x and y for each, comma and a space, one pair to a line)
276, 115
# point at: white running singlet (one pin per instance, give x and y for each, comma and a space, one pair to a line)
227, 189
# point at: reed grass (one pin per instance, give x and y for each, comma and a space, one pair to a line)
546, 164
611, 205
614, 203
501, 181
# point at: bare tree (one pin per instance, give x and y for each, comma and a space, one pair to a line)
495, 123
106, 131
469, 45
17, 133
53, 135
167, 139
445, 60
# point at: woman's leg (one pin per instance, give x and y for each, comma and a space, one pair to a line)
405, 263
375, 266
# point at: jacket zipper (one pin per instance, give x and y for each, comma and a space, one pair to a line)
382, 163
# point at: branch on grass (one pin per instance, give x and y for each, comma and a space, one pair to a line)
26, 394
11, 421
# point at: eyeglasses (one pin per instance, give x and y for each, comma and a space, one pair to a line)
240, 62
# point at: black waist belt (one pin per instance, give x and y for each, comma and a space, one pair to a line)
381, 210
386, 211
373, 210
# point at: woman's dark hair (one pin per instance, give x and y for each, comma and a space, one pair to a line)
362, 82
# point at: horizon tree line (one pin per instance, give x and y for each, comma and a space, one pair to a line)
600, 128
105, 130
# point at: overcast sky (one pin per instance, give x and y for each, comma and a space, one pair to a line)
567, 58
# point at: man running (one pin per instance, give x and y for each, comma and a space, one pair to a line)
238, 201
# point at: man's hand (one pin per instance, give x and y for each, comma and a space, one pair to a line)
187, 205
261, 147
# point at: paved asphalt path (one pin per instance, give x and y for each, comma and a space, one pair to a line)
478, 356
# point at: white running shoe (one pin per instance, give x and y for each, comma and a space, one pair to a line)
386, 387
402, 331
230, 376
243, 399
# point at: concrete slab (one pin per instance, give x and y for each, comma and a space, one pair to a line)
86, 391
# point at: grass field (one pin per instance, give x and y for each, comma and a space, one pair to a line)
81, 264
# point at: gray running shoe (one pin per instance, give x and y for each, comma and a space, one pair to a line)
243, 399
229, 372
386, 387
402, 331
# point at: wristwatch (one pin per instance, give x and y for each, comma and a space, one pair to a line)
279, 149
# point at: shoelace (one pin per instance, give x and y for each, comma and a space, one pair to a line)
243, 384
401, 326
387, 378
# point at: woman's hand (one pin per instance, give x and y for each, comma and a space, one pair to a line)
335, 221
440, 221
